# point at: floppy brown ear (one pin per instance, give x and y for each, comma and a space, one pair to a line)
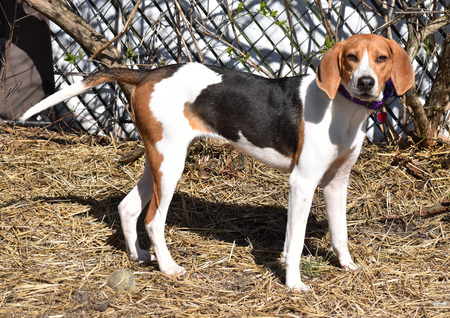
402, 74
328, 75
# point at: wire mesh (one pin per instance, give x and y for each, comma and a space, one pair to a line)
281, 38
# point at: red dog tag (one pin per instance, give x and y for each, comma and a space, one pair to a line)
381, 117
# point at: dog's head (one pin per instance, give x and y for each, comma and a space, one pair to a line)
363, 64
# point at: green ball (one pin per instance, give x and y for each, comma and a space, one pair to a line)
121, 279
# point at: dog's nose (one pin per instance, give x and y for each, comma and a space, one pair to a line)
366, 83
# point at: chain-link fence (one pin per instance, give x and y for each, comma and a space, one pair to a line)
271, 38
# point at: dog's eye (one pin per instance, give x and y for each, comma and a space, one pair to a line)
352, 57
382, 58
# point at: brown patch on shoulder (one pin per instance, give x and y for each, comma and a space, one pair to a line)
194, 121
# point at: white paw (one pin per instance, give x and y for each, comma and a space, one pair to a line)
349, 266
141, 256
174, 270
299, 287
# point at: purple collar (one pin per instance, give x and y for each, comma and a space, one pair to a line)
388, 90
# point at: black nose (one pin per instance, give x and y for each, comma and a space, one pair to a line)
366, 83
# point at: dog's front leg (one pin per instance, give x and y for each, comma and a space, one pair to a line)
335, 182
300, 198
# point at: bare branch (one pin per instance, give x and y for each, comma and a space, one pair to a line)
387, 15
183, 17
233, 27
121, 33
341, 7
388, 24
75, 26
248, 61
326, 21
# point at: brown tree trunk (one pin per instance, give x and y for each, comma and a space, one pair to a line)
438, 103
422, 123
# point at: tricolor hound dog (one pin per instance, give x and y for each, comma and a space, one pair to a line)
298, 124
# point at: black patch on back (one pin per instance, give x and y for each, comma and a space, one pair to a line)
266, 111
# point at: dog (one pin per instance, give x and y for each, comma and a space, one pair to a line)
312, 126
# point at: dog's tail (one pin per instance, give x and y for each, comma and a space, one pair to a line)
122, 75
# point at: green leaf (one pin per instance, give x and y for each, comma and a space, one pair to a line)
427, 46
262, 5
240, 7
329, 43
130, 53
80, 54
71, 58
229, 51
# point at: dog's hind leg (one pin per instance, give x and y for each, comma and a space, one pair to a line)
167, 166
129, 210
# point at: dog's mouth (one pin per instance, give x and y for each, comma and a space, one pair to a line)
369, 95
365, 96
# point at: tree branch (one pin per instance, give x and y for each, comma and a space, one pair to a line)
186, 23
326, 22
417, 37
439, 98
75, 26
121, 33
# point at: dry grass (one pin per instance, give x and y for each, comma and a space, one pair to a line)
60, 236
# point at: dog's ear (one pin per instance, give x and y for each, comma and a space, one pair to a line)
402, 73
328, 75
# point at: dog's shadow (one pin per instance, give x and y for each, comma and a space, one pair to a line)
262, 228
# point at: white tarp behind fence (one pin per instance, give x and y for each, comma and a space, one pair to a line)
282, 38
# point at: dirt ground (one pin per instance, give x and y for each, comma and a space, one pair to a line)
60, 235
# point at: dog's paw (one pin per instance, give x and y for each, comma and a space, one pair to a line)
299, 287
142, 256
174, 270
349, 266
